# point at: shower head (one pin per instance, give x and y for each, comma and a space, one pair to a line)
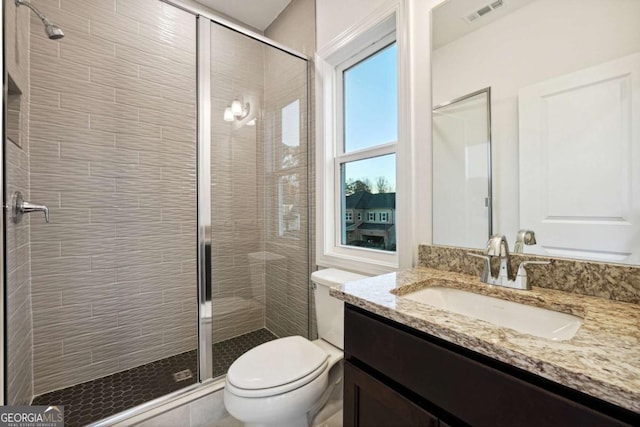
53, 31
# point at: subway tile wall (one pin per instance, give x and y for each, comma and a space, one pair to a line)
112, 153
286, 313
286, 195
19, 353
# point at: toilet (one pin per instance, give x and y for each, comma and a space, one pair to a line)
284, 382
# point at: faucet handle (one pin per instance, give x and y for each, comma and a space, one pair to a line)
521, 276
498, 246
523, 264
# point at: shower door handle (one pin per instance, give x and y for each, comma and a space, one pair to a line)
20, 207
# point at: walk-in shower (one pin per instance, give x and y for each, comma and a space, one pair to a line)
178, 238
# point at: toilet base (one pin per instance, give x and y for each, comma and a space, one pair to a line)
292, 422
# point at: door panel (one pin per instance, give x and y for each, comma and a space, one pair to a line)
579, 140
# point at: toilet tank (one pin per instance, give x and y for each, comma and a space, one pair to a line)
330, 310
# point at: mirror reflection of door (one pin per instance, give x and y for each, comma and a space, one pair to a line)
461, 171
579, 142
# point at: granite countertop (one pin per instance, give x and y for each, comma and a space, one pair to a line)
601, 360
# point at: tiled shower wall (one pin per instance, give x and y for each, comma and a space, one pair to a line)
286, 195
18, 290
112, 153
286, 312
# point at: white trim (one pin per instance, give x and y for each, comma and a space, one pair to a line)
367, 153
346, 46
420, 104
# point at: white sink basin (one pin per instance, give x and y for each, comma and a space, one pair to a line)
523, 318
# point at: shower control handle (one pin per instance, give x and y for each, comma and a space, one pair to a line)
20, 207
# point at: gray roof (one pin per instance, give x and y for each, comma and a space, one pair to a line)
366, 200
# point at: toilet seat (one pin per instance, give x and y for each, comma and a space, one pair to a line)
293, 362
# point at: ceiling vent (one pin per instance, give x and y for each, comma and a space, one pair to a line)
484, 10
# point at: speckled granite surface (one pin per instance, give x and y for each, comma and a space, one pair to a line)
602, 360
613, 281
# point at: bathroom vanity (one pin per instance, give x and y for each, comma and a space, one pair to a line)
413, 365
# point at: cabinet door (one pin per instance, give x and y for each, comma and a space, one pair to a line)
368, 402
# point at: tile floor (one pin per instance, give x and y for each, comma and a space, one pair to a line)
91, 401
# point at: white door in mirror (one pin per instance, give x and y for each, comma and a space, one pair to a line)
579, 156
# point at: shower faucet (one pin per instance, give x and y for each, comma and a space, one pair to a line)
20, 207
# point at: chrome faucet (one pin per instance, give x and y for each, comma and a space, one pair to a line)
524, 237
497, 246
19, 207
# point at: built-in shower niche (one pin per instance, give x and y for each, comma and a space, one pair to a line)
14, 102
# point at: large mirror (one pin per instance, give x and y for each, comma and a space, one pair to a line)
565, 118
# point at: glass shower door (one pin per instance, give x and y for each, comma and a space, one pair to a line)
259, 194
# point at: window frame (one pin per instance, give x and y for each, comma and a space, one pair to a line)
357, 43
341, 157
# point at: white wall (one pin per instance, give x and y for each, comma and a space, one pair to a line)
333, 17
544, 39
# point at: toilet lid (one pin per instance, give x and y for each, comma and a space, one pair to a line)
276, 363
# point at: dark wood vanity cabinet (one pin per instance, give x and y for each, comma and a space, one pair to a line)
397, 376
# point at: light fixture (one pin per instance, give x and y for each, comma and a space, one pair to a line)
236, 111
228, 115
236, 108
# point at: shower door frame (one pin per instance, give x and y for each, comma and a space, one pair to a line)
203, 17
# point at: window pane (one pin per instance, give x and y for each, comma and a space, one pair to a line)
290, 148
371, 101
369, 196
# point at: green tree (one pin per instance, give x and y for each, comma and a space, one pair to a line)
352, 186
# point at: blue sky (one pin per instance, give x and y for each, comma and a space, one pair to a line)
371, 113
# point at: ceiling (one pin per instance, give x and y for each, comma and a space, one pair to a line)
449, 21
258, 14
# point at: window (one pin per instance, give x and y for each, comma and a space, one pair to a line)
348, 216
365, 158
362, 133
384, 217
288, 153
